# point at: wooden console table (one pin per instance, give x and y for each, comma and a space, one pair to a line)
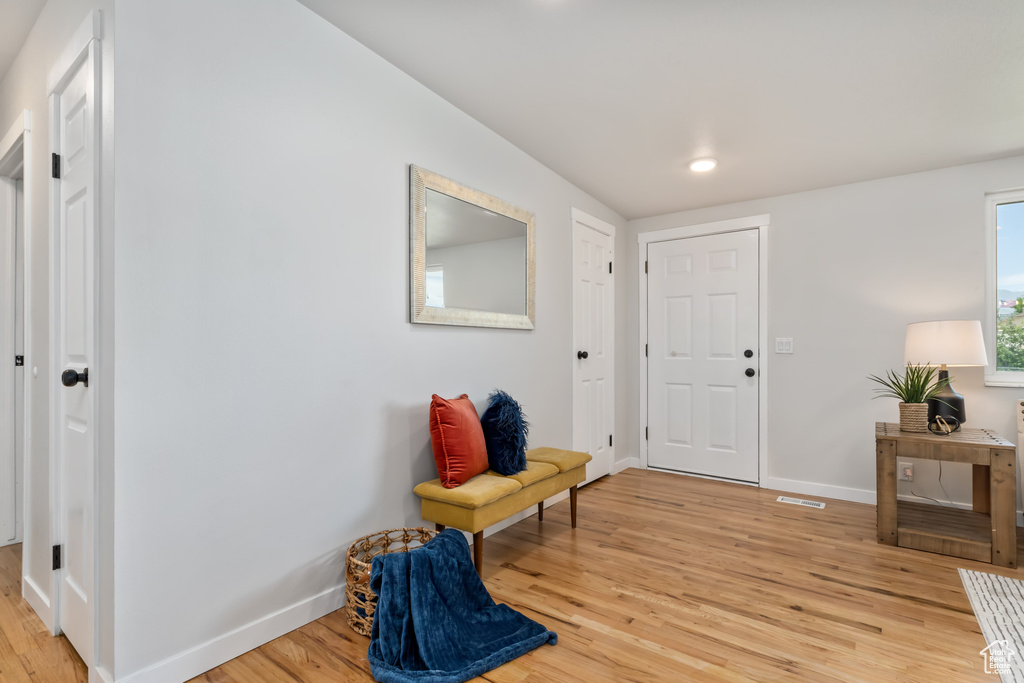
988, 533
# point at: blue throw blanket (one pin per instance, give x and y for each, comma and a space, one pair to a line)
435, 620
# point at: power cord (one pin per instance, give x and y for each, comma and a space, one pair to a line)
949, 501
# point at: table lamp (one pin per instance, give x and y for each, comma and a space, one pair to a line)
947, 343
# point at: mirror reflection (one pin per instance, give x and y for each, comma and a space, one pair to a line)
476, 259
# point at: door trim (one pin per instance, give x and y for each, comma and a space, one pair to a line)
19, 138
82, 49
15, 160
605, 229
761, 223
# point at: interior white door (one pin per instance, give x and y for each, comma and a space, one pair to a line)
593, 330
75, 242
702, 351
8, 451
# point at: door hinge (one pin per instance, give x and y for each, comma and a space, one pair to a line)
645, 266
609, 267
645, 350
56, 558
19, 361
647, 433
55, 165
609, 440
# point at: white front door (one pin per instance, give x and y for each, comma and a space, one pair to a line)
593, 334
702, 350
75, 141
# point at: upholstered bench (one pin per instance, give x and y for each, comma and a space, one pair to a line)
488, 498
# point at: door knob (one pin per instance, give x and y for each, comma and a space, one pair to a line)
748, 354
582, 355
70, 378
750, 372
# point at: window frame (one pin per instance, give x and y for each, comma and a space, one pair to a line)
994, 377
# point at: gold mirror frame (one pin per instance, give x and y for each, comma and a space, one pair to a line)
420, 181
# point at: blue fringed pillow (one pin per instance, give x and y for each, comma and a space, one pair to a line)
505, 433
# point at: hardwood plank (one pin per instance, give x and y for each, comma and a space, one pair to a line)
672, 578
27, 650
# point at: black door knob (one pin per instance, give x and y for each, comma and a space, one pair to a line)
70, 378
748, 354
582, 355
750, 372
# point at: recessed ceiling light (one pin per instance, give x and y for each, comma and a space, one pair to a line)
703, 165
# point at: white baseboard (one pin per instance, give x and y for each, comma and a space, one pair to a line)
822, 490
625, 464
98, 674
855, 495
212, 653
520, 516
37, 601
942, 503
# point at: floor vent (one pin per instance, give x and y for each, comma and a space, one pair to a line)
801, 501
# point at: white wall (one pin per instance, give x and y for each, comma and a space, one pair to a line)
271, 394
850, 266
24, 87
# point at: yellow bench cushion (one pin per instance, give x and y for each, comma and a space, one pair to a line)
563, 460
475, 493
534, 472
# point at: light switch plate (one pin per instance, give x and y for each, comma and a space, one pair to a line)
783, 345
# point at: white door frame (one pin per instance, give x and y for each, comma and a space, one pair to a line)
16, 160
760, 223
83, 48
605, 229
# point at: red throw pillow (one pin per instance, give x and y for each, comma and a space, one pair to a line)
458, 440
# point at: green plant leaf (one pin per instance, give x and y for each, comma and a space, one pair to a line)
918, 384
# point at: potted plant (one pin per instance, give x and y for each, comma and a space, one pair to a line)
913, 389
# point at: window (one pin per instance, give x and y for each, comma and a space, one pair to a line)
435, 286
1005, 317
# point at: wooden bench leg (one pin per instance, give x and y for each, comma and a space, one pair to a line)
478, 552
572, 505
540, 511
439, 527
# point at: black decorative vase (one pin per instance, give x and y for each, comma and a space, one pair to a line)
947, 402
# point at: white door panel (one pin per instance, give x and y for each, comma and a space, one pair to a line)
593, 327
75, 334
702, 317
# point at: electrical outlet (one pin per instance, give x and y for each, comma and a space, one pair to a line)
906, 470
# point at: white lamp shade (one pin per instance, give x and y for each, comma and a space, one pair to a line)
945, 342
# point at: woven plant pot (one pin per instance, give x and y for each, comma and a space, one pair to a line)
360, 601
913, 417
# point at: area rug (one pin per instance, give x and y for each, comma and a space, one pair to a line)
998, 604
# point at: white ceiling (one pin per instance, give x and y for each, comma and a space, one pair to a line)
452, 222
16, 18
789, 95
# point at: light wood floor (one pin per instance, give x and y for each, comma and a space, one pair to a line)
27, 650
672, 578
667, 578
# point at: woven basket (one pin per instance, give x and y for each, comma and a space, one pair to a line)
913, 417
360, 601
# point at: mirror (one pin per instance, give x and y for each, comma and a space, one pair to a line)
472, 256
